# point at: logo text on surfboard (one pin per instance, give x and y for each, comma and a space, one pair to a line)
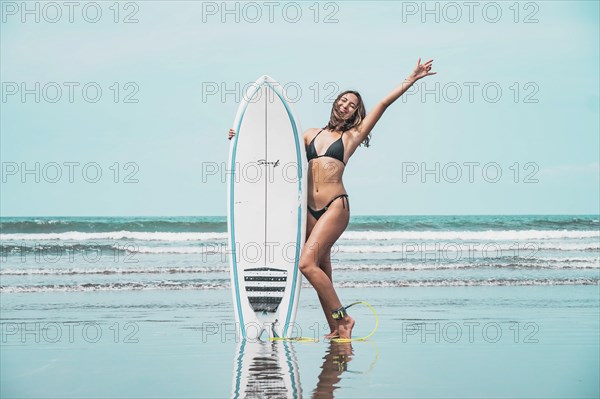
264, 162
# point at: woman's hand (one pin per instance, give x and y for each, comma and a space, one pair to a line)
421, 70
231, 133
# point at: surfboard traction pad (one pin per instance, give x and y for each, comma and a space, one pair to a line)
265, 287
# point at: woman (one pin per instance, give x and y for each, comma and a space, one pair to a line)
328, 151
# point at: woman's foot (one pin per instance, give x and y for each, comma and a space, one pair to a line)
345, 327
332, 334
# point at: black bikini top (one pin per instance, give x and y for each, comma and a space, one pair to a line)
335, 150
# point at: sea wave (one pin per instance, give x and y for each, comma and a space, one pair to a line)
359, 223
110, 271
489, 248
114, 235
574, 263
489, 235
166, 285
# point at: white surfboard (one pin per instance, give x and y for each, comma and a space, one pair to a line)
266, 211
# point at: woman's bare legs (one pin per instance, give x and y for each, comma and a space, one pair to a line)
322, 237
325, 265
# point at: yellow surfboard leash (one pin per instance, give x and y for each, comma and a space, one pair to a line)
366, 337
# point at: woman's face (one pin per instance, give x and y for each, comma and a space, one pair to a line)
346, 105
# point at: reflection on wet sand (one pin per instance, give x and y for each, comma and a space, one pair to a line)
266, 370
335, 362
270, 370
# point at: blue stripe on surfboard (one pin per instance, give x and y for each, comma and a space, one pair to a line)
292, 367
238, 374
232, 213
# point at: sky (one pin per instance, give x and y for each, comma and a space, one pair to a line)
124, 110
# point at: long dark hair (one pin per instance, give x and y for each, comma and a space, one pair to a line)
337, 123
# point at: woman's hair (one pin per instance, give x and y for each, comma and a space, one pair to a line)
336, 122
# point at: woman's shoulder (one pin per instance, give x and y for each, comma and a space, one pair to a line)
309, 134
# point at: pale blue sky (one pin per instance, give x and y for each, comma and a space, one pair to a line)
172, 131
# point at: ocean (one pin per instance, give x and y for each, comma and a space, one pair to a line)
468, 306
178, 253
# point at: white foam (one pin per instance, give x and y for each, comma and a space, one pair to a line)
145, 270
518, 248
167, 285
470, 235
115, 235
541, 263
466, 283
347, 235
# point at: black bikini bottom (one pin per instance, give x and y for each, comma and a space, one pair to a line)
320, 212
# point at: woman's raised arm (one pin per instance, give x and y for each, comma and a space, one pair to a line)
367, 124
